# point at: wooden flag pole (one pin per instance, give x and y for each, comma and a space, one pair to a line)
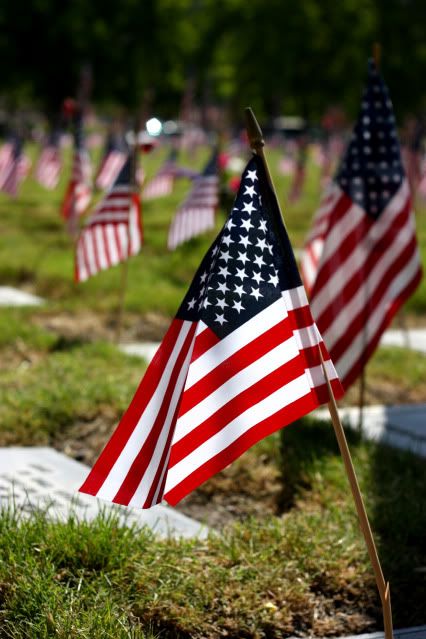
257, 143
124, 263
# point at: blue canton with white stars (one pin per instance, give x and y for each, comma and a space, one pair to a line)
248, 265
372, 172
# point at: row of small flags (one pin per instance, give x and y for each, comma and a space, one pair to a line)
244, 356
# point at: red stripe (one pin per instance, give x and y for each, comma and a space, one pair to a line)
340, 255
358, 278
85, 255
373, 299
217, 463
235, 363
144, 457
131, 417
204, 341
245, 400
392, 310
300, 317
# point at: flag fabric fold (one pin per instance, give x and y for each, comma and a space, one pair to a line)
113, 232
112, 162
162, 183
240, 360
49, 164
361, 260
16, 166
79, 191
196, 214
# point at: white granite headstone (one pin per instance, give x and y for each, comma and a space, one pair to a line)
39, 478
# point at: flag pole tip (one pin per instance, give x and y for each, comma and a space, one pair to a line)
254, 131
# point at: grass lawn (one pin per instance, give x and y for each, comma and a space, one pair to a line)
290, 558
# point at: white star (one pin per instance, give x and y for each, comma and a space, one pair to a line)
273, 279
227, 240
248, 207
239, 289
203, 277
262, 225
252, 175
247, 225
269, 248
249, 190
222, 287
259, 261
238, 306
206, 302
220, 318
241, 273
224, 255
215, 250
256, 293
223, 270
242, 257
221, 302
258, 277
191, 304
245, 240
230, 224
261, 244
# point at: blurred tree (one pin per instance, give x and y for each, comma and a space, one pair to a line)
279, 56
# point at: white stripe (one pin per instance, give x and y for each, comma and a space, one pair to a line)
88, 242
361, 251
145, 484
238, 383
365, 336
284, 396
236, 340
119, 471
315, 374
123, 234
367, 288
99, 239
295, 298
112, 246
134, 230
81, 263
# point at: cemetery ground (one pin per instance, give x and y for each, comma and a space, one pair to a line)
286, 558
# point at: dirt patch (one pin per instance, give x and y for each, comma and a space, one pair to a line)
90, 326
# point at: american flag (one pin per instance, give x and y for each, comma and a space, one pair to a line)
6, 160
79, 192
49, 164
196, 214
240, 360
162, 183
16, 168
112, 162
362, 260
113, 232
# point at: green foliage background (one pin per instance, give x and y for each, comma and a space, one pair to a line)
276, 55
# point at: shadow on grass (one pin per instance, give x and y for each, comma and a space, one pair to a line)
302, 445
397, 510
393, 484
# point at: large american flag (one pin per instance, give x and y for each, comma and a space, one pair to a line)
113, 232
162, 183
112, 162
16, 167
240, 360
196, 214
49, 164
79, 191
361, 261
